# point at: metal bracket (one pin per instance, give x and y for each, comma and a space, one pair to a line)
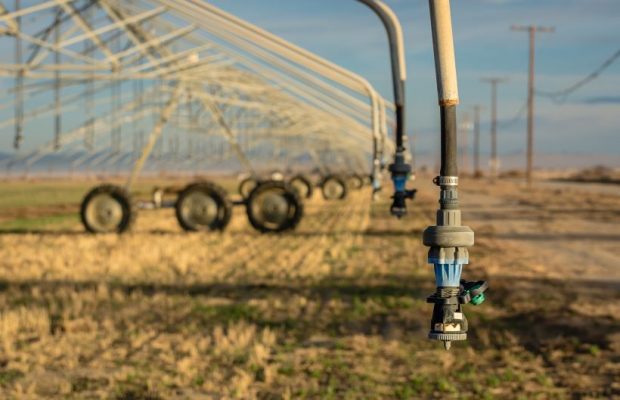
446, 181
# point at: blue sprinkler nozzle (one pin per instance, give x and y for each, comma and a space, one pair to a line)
400, 171
448, 275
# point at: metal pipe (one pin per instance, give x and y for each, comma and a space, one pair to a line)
310, 60
447, 87
155, 134
399, 169
239, 86
19, 85
398, 62
57, 100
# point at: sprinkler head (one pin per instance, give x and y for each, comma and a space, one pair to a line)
400, 171
448, 322
399, 203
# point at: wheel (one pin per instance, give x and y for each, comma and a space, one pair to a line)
246, 186
334, 188
203, 206
274, 207
356, 181
302, 185
107, 209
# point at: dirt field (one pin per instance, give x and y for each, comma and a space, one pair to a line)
334, 310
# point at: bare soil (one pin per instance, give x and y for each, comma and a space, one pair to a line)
335, 309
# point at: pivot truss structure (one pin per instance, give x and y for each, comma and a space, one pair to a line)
175, 85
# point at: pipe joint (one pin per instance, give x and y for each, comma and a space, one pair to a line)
448, 236
448, 256
446, 181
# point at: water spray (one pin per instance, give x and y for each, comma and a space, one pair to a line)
448, 239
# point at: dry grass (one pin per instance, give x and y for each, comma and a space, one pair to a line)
333, 310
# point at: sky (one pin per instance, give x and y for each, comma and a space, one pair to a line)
587, 32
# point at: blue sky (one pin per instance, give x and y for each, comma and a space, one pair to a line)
346, 32
587, 32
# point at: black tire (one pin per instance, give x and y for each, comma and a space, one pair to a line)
357, 182
203, 206
334, 187
107, 209
286, 207
246, 186
302, 185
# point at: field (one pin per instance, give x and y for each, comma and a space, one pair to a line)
335, 309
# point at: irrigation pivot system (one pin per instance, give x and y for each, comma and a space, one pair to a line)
182, 86
136, 87
448, 240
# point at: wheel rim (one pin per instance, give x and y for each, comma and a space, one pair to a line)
104, 213
199, 209
271, 209
247, 187
300, 187
333, 189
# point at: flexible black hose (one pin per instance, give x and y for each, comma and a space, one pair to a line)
448, 141
400, 126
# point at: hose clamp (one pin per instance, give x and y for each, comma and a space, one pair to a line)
446, 181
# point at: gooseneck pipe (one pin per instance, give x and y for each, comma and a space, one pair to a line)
399, 169
397, 57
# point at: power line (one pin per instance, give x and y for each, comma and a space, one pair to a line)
561, 96
517, 117
569, 90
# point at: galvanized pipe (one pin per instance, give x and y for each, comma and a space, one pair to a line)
397, 57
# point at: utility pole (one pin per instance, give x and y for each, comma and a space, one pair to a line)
465, 127
494, 164
57, 83
19, 84
531, 29
477, 172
